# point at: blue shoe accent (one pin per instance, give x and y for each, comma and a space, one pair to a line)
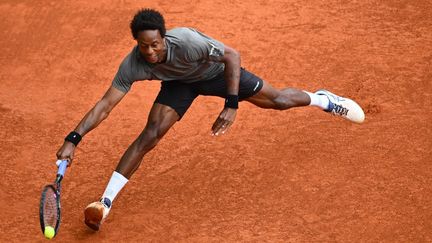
330, 107
106, 202
326, 94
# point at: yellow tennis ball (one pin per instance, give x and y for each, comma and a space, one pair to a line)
49, 232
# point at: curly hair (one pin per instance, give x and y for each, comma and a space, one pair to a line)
147, 19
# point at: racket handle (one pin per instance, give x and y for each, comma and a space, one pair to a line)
62, 167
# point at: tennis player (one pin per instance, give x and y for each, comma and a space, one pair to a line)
190, 64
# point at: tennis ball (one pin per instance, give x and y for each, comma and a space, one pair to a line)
49, 232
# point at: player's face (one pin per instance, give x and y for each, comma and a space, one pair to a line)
151, 46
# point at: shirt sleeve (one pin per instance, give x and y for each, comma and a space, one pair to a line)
202, 47
123, 79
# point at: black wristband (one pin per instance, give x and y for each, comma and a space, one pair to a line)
73, 137
231, 101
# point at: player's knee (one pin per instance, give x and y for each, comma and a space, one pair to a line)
148, 139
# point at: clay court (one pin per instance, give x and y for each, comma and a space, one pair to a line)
293, 176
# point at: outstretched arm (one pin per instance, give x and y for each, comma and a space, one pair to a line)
231, 59
92, 119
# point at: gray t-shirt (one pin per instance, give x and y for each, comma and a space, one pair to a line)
191, 57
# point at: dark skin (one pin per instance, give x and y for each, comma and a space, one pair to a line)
162, 118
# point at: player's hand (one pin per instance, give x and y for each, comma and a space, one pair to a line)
66, 152
224, 121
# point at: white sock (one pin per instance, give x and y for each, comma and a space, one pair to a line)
318, 100
116, 183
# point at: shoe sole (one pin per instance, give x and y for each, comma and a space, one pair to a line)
93, 217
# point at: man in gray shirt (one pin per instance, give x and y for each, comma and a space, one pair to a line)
189, 63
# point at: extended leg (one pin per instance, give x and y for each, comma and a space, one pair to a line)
271, 98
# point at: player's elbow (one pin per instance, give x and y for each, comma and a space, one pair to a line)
231, 55
234, 56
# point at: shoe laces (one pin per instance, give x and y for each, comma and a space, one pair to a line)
339, 110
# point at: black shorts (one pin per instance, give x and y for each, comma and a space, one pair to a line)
180, 96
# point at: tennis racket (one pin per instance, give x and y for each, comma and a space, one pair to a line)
49, 208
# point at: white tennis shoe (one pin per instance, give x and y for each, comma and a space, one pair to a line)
96, 212
343, 107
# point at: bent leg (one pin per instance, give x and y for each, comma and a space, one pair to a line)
271, 98
160, 120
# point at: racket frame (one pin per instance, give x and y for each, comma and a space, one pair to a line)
56, 187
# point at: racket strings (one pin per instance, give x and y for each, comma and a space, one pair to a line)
50, 213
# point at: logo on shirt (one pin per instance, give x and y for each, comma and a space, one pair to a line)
214, 51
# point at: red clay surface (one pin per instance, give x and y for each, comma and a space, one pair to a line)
292, 176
